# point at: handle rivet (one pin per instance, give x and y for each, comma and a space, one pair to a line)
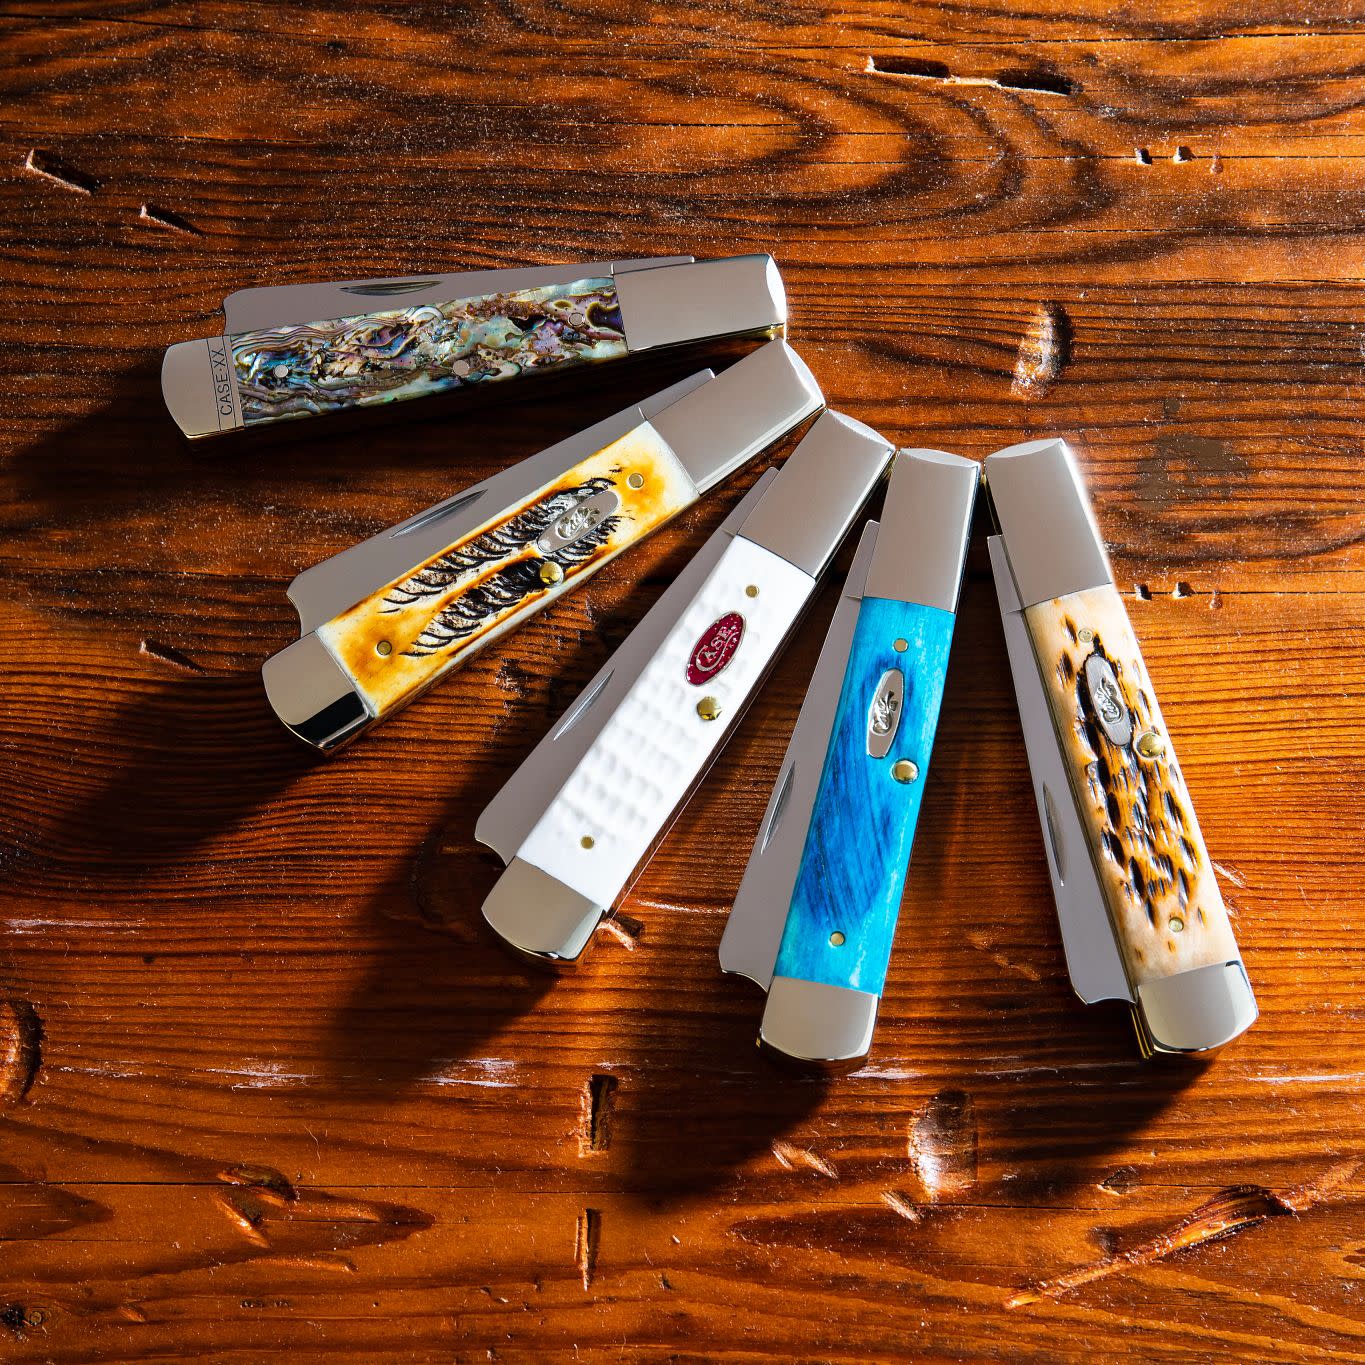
836, 940
708, 708
1150, 744
903, 770
1177, 924
751, 590
384, 648
587, 841
635, 480
550, 572
281, 371
900, 646
1085, 635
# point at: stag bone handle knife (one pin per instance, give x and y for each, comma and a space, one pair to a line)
580, 818
1141, 914
385, 619
816, 910
293, 351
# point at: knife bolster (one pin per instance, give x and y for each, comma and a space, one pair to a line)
539, 917
313, 695
1195, 1011
828, 1028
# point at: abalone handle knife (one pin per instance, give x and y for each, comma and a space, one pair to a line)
1187, 983
835, 945
581, 817
295, 351
386, 620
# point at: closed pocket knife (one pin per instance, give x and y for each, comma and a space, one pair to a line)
580, 818
816, 910
385, 619
1141, 914
305, 350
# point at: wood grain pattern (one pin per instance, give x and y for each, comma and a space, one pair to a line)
409, 633
1145, 844
229, 972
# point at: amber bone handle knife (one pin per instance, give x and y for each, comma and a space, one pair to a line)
582, 815
1141, 914
386, 619
308, 350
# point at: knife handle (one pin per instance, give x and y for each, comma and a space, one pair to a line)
851, 876
1159, 888
305, 369
403, 637
649, 754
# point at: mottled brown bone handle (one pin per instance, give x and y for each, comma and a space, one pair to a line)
407, 634
1163, 899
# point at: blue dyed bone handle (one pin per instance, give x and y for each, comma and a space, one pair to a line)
848, 887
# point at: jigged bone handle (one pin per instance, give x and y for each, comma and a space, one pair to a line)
407, 634
1160, 890
399, 353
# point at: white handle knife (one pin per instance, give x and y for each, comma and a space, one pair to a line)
579, 819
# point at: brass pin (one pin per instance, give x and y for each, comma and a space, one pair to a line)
903, 770
708, 708
1150, 744
550, 573
635, 480
900, 646
384, 648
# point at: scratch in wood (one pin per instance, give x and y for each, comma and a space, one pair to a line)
1044, 351
791, 1157
260, 1178
1122, 1181
1029, 81
586, 1243
164, 218
21, 1049
1231, 1211
246, 1213
625, 929
599, 1102
1231, 874
943, 1143
154, 649
902, 1204
54, 168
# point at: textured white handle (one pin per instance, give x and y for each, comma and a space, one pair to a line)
606, 817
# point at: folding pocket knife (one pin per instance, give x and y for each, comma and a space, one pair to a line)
303, 350
385, 619
816, 909
581, 816
1141, 914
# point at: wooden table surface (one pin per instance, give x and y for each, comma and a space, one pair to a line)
267, 1093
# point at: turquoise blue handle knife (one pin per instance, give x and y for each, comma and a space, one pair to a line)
815, 915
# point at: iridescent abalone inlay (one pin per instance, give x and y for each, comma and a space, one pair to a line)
1164, 901
408, 633
401, 353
